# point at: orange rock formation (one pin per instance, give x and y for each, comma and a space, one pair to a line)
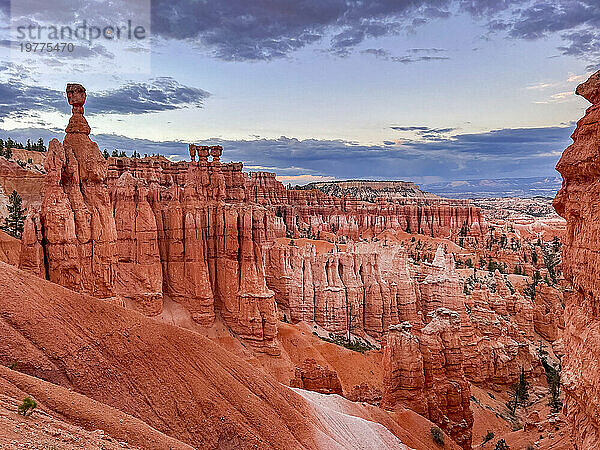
577, 202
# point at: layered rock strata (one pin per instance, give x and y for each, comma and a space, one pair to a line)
361, 290
423, 371
143, 229
313, 377
577, 202
311, 212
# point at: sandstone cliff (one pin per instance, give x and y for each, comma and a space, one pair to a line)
309, 213
137, 230
577, 202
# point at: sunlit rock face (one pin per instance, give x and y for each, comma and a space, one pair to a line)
314, 212
136, 230
578, 202
423, 371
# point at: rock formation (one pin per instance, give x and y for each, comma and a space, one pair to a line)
311, 212
313, 377
363, 289
79, 227
577, 202
423, 371
140, 230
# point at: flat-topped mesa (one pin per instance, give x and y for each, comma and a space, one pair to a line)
577, 202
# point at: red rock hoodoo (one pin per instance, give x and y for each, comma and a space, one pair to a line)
424, 372
138, 230
231, 249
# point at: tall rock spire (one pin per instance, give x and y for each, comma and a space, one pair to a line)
80, 230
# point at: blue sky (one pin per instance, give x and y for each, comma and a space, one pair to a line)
426, 90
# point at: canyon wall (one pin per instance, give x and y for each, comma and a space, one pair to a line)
578, 202
311, 212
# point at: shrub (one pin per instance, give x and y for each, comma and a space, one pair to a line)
27, 407
437, 436
488, 437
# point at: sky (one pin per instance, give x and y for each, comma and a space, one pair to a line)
420, 90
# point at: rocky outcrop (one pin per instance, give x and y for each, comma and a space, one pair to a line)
549, 312
370, 190
363, 289
79, 227
28, 184
365, 393
31, 252
138, 271
311, 212
313, 377
577, 202
137, 230
423, 371
10, 249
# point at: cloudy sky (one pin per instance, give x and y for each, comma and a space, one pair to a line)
423, 90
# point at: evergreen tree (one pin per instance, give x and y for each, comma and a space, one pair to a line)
8, 153
28, 146
122, 154
115, 153
105, 154
41, 146
523, 388
502, 445
13, 224
1, 144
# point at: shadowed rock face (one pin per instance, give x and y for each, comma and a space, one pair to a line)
578, 202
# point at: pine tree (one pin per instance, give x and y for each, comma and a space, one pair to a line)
502, 445
1, 144
523, 388
105, 154
8, 153
28, 146
41, 146
115, 153
13, 224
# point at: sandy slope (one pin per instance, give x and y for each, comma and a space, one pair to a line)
140, 380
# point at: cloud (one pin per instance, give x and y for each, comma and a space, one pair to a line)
414, 56
560, 97
426, 133
159, 94
501, 153
241, 30
17, 97
577, 22
303, 179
